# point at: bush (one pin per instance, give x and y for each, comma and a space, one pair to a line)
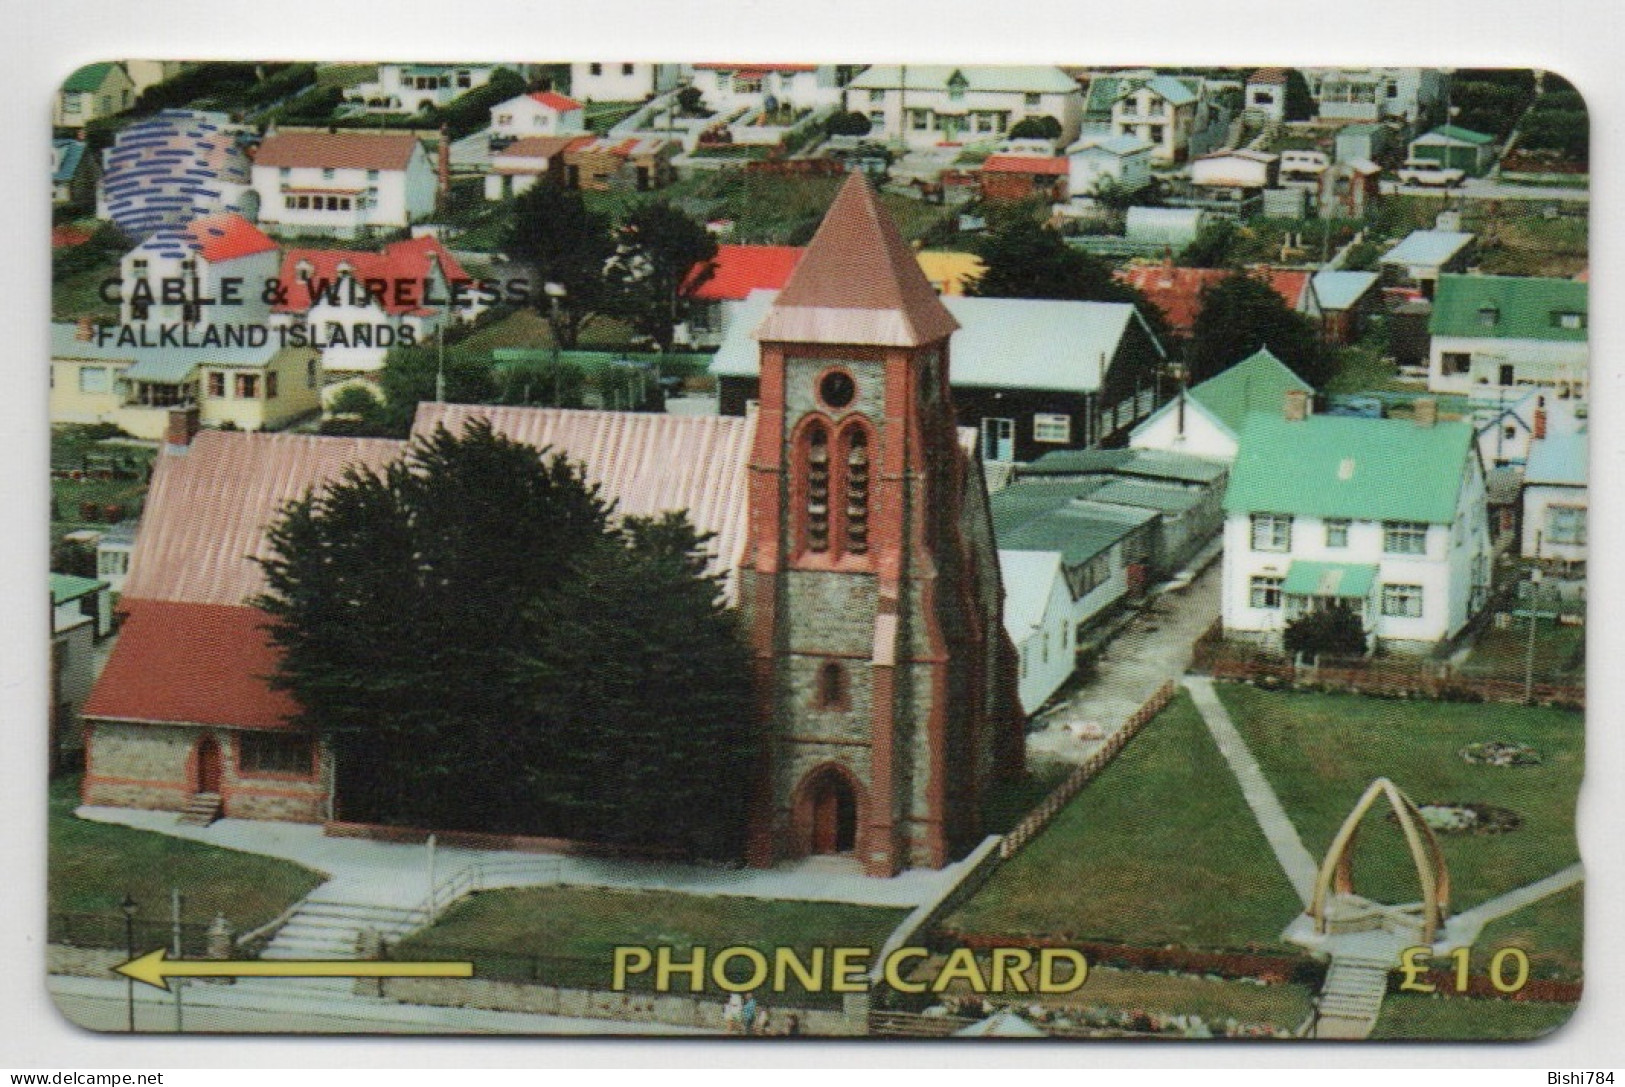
68, 557
847, 124
1035, 128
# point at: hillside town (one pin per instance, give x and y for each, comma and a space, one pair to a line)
500, 512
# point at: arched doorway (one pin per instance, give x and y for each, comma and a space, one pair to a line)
206, 777
829, 812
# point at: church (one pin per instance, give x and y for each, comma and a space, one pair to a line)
847, 513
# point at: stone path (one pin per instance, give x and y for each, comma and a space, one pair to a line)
1295, 860
1467, 923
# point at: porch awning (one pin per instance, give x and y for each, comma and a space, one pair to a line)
1339, 579
162, 369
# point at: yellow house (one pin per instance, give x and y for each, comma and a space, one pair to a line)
93, 92
251, 388
950, 273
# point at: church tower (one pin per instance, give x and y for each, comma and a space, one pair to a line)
875, 637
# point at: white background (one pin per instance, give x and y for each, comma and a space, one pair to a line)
43, 42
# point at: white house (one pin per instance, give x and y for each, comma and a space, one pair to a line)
1163, 110
1385, 517
1422, 256
1120, 162
1265, 94
1038, 618
1410, 95
1206, 420
544, 113
413, 88
1237, 169
1499, 332
625, 81
930, 104
1554, 501
730, 88
215, 268
1508, 429
342, 183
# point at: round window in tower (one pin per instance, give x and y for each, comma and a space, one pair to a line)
836, 389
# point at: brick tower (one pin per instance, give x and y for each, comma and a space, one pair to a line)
869, 585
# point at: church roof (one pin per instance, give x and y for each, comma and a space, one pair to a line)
858, 283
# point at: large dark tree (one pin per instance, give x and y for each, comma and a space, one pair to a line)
484, 649
567, 245
414, 374
658, 245
1300, 104
1241, 314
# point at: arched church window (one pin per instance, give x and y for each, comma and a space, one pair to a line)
832, 692
817, 488
857, 491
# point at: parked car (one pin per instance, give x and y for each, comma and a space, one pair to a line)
1425, 172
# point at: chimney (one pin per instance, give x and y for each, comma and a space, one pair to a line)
1539, 427
1296, 407
1426, 411
86, 331
183, 427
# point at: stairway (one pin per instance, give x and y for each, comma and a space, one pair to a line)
1352, 996
201, 810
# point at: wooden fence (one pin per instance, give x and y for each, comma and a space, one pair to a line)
1040, 817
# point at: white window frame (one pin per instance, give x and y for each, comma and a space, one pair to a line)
1271, 532
102, 383
1052, 429
1265, 592
1340, 526
1574, 536
1402, 601
1404, 538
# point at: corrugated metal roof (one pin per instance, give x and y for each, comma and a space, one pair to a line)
1454, 134
1509, 308
1258, 382
338, 150
1079, 530
66, 344
1427, 247
1339, 290
66, 587
1116, 145
1558, 459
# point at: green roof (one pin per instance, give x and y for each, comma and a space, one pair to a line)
88, 78
1050, 515
1344, 466
66, 587
1339, 579
1257, 383
1508, 307
1465, 135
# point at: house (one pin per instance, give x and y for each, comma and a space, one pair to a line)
1345, 190
1495, 332
738, 88
1409, 95
209, 259
168, 169
414, 88
717, 289
1423, 256
1509, 428
524, 162
344, 183
1455, 148
1177, 291
114, 545
632, 164
889, 720
1264, 96
73, 174
1385, 517
1206, 420
357, 305
1162, 110
1119, 163
107, 375
149, 73
1030, 374
598, 81
1346, 301
1038, 619
81, 615
929, 104
541, 113
1012, 178
1362, 142
949, 272
91, 93
1555, 502
1240, 169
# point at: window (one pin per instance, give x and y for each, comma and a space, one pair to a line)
138, 268
817, 488
71, 104
271, 753
270, 386
328, 174
1265, 592
465, 79
1456, 362
595, 69
112, 563
1337, 533
877, 117
247, 387
217, 384
291, 202
626, 69
857, 491
1509, 432
1566, 525
877, 96
372, 177
1272, 532
832, 687
1054, 429
1568, 320
94, 379
919, 120
1404, 538
1033, 100
1488, 316
1402, 601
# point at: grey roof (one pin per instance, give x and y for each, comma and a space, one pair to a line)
69, 154
1423, 247
1559, 460
1115, 145
1003, 343
1140, 463
1036, 78
1338, 290
1079, 529
1177, 225
1148, 494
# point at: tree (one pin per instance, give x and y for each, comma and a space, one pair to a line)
567, 245
1300, 104
658, 246
414, 374
1241, 314
1036, 128
1335, 631
1213, 246
483, 649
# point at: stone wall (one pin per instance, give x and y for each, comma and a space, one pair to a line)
82, 962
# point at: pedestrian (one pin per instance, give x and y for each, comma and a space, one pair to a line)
792, 1026
747, 1014
733, 1014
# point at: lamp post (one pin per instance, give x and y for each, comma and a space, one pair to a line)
1534, 615
128, 906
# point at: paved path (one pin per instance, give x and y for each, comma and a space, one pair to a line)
1482, 914
1296, 862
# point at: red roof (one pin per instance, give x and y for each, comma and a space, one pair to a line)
1275, 77
226, 235
338, 150
403, 261
737, 270
556, 101
1025, 164
64, 237
1177, 292
194, 664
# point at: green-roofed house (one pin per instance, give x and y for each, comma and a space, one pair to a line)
1206, 420
1457, 148
1489, 333
93, 92
1386, 517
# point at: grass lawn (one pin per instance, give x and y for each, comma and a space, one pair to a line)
527, 328
1160, 849
573, 930
1549, 932
80, 295
1560, 652
1321, 751
1520, 242
1363, 369
1434, 1018
70, 445
345, 75
93, 866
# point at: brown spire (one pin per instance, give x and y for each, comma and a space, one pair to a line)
859, 283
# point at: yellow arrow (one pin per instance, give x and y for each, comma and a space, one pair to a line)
155, 968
